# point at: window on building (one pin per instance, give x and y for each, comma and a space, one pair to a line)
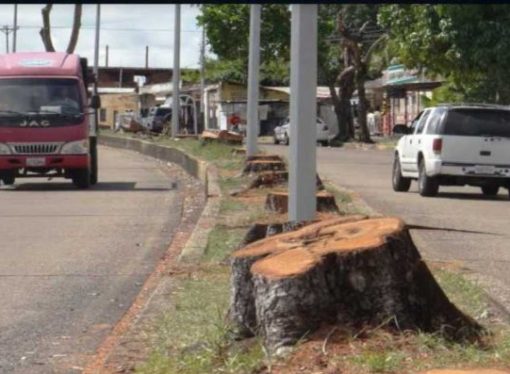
102, 115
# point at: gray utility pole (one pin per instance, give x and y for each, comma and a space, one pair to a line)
106, 56
146, 56
253, 81
96, 44
303, 109
202, 72
15, 27
176, 75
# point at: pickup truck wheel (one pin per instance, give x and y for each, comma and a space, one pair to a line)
275, 141
490, 190
81, 178
9, 179
400, 183
287, 140
427, 186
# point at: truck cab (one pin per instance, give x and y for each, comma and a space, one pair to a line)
47, 122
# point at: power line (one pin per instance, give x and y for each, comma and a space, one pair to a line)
109, 28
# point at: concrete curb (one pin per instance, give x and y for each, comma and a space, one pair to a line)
207, 173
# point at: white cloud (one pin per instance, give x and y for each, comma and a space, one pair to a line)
125, 28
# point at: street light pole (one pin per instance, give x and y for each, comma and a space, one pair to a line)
303, 108
96, 44
202, 72
15, 27
253, 81
176, 71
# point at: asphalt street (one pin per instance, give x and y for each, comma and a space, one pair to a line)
72, 261
462, 225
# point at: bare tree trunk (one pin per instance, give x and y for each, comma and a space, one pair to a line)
342, 103
46, 30
362, 106
76, 29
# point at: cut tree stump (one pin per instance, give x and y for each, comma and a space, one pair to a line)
277, 201
347, 270
273, 178
222, 136
264, 157
257, 166
473, 371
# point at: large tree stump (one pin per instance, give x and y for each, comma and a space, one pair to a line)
345, 270
257, 166
277, 201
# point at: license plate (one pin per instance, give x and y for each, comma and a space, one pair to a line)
36, 161
484, 169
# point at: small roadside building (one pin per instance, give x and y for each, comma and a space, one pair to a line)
403, 95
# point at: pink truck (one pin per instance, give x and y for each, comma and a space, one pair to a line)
48, 122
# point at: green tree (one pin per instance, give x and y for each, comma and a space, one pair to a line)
227, 27
344, 64
468, 45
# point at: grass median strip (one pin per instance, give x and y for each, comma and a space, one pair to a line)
194, 336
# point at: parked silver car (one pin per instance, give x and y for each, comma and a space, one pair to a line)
282, 132
157, 118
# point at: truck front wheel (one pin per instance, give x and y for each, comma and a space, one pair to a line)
81, 178
8, 179
93, 161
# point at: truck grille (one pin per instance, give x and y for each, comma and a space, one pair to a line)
35, 148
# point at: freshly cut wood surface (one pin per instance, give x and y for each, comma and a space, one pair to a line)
348, 270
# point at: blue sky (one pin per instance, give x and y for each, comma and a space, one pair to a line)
127, 29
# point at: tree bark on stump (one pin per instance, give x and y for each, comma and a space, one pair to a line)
278, 202
264, 157
222, 136
347, 270
257, 166
273, 178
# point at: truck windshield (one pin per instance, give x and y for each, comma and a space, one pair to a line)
39, 96
477, 122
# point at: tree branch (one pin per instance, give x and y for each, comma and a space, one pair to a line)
76, 29
46, 30
373, 47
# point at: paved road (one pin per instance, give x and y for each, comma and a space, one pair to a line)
72, 261
467, 226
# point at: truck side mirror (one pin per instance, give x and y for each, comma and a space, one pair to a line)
95, 102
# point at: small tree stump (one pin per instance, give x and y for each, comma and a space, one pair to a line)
257, 166
274, 178
264, 157
239, 151
222, 136
346, 270
278, 202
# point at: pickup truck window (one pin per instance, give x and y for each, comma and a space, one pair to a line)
477, 122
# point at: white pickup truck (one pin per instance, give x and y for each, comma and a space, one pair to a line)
454, 145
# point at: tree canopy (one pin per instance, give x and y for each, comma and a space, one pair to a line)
468, 45
227, 27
